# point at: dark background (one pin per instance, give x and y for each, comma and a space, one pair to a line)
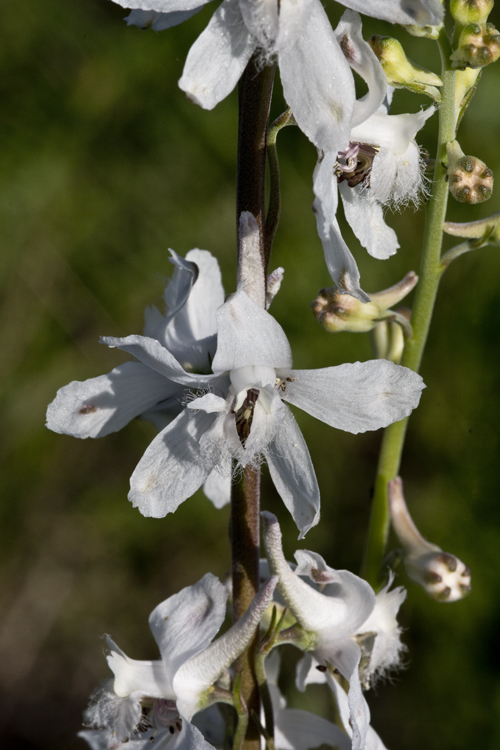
104, 165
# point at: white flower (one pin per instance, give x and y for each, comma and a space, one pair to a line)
242, 414
381, 166
316, 78
157, 699
105, 404
334, 618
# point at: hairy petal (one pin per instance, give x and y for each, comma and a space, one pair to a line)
218, 58
356, 397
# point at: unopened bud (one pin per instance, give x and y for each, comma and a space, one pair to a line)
342, 312
470, 11
442, 575
402, 72
469, 179
478, 45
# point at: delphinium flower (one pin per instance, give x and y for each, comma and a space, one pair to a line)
316, 79
239, 413
105, 404
343, 621
154, 701
381, 166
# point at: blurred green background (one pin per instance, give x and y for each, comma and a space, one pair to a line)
104, 165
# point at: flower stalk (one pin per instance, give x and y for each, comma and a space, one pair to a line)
431, 269
255, 90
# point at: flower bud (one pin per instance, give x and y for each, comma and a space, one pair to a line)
478, 45
470, 180
342, 312
402, 72
470, 11
442, 575
465, 86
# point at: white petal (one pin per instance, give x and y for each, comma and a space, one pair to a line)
163, 6
210, 403
192, 297
218, 484
347, 590
366, 218
307, 672
339, 259
409, 12
151, 353
398, 178
330, 617
317, 82
99, 406
218, 57
170, 470
363, 60
356, 397
150, 19
189, 739
265, 427
200, 672
248, 335
293, 474
391, 131
346, 657
300, 730
185, 623
131, 676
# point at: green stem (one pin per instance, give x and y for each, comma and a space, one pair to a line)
430, 273
274, 208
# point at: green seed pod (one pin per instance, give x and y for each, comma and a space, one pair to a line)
469, 179
478, 45
470, 11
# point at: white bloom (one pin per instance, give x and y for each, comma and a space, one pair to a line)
157, 699
242, 415
105, 404
381, 166
334, 617
316, 78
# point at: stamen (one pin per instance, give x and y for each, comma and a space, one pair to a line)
244, 415
358, 164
